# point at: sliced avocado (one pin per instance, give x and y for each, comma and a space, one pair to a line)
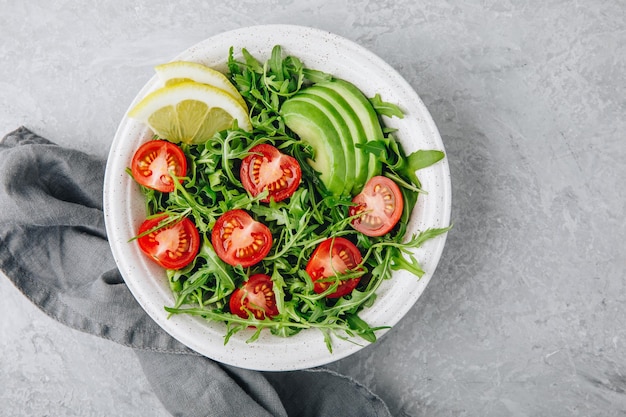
365, 113
314, 127
333, 117
331, 111
356, 132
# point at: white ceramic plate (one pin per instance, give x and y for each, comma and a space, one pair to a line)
124, 207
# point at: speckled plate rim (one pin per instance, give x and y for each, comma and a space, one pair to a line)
125, 210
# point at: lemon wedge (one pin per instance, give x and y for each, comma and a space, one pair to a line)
190, 112
180, 71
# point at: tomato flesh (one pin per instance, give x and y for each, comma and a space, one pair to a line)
379, 207
172, 246
238, 239
154, 163
266, 168
334, 256
255, 297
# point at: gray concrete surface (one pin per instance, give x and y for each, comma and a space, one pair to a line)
526, 314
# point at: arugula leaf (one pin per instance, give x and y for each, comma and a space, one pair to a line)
385, 108
360, 327
388, 151
252, 62
418, 160
315, 76
379, 148
207, 266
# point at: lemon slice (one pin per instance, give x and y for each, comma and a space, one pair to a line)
190, 112
180, 71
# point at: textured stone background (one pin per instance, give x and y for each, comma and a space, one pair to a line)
526, 314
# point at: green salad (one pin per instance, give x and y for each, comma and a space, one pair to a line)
287, 218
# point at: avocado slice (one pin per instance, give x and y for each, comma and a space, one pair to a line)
364, 111
333, 117
338, 120
314, 127
356, 134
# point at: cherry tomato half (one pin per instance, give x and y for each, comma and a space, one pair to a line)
154, 163
380, 207
238, 239
334, 256
255, 296
173, 246
268, 168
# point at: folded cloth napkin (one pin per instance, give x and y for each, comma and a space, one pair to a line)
53, 247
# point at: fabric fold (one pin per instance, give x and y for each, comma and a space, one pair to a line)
53, 248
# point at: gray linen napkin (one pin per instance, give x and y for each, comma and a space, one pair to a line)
53, 247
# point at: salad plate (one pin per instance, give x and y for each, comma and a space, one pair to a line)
125, 209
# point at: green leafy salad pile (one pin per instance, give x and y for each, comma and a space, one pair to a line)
284, 111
